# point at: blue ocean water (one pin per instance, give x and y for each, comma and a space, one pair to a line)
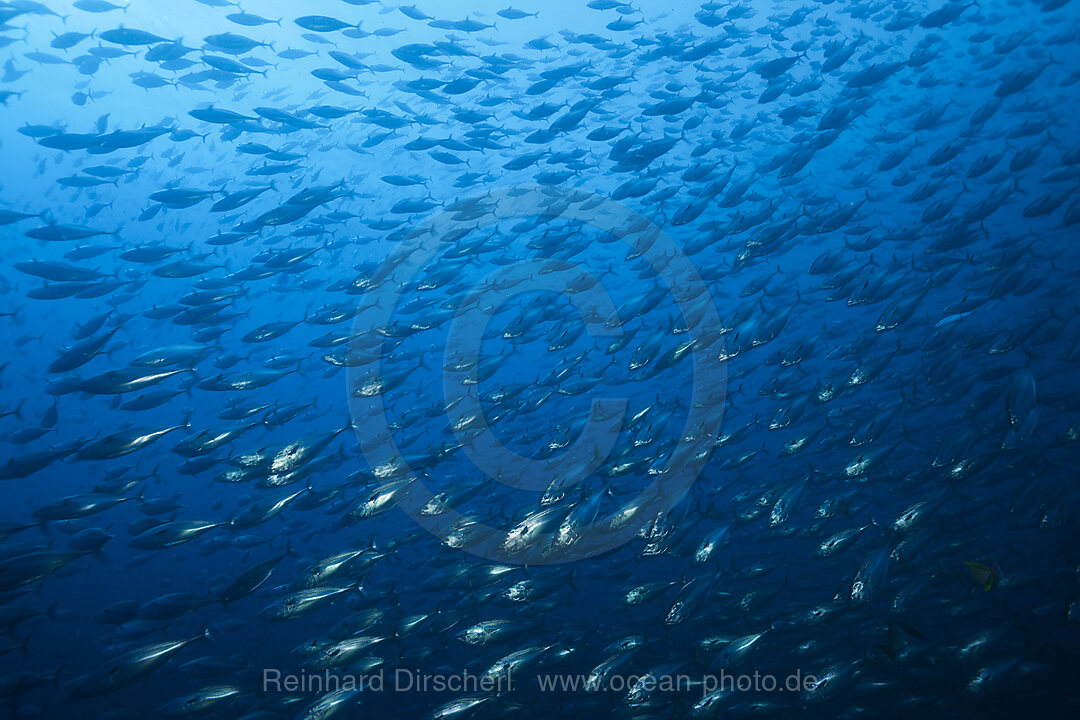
465, 360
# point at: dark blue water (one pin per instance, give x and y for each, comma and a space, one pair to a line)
581, 360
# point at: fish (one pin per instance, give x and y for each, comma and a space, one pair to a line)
252, 578
170, 534
581, 357
130, 36
127, 668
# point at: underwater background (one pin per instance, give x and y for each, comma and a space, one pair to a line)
464, 360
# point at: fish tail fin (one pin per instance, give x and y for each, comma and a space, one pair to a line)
997, 571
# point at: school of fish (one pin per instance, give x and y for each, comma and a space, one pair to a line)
610, 342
